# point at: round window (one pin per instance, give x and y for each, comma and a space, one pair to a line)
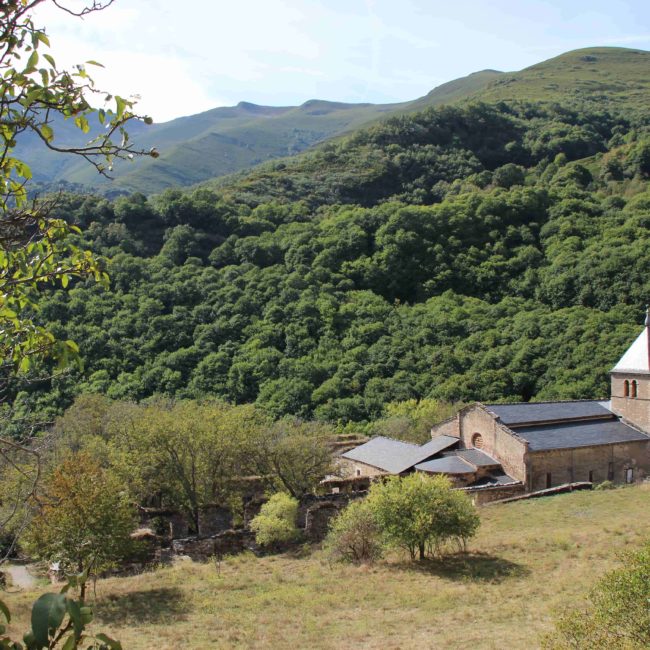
477, 441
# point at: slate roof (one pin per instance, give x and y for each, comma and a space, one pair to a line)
438, 444
578, 434
476, 457
532, 412
636, 358
493, 480
446, 465
395, 456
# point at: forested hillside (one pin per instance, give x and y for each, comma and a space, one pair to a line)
486, 252
224, 140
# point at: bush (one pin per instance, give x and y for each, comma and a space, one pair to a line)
354, 535
605, 485
276, 522
84, 518
419, 513
618, 616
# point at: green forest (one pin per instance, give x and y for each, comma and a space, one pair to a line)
483, 251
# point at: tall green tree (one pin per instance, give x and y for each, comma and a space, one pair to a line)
420, 513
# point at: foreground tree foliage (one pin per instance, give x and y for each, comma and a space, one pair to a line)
618, 616
36, 247
37, 250
422, 514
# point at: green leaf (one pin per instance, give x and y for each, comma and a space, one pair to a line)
47, 615
70, 643
121, 106
5, 610
72, 345
32, 62
111, 643
47, 132
74, 611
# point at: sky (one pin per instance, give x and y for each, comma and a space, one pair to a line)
182, 58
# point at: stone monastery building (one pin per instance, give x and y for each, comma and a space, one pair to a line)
504, 449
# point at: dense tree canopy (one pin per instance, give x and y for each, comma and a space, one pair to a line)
485, 252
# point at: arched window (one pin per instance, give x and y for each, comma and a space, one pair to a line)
626, 388
633, 391
477, 441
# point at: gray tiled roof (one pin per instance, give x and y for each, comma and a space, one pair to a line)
493, 480
446, 465
438, 444
395, 456
548, 411
578, 434
476, 457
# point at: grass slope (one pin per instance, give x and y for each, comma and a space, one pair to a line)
530, 560
612, 75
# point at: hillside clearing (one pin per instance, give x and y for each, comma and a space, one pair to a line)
529, 560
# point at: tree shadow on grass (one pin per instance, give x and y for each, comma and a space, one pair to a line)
147, 606
474, 567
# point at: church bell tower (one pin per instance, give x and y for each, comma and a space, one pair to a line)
631, 381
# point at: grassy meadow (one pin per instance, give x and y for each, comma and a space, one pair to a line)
530, 560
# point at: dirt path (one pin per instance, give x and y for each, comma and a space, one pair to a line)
20, 576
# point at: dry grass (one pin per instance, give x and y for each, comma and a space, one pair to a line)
530, 560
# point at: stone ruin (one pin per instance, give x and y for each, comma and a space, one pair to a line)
167, 532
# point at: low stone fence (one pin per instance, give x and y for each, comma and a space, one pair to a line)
485, 495
229, 542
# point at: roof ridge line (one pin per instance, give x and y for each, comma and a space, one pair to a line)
550, 401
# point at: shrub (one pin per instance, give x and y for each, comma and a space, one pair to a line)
419, 513
605, 485
354, 535
276, 522
618, 615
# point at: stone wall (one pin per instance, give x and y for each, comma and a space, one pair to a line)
355, 468
496, 493
591, 464
214, 519
498, 441
315, 512
448, 427
229, 542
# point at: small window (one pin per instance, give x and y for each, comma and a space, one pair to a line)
629, 475
591, 476
626, 388
549, 480
357, 472
477, 441
633, 389
610, 472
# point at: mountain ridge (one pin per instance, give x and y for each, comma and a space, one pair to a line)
224, 140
